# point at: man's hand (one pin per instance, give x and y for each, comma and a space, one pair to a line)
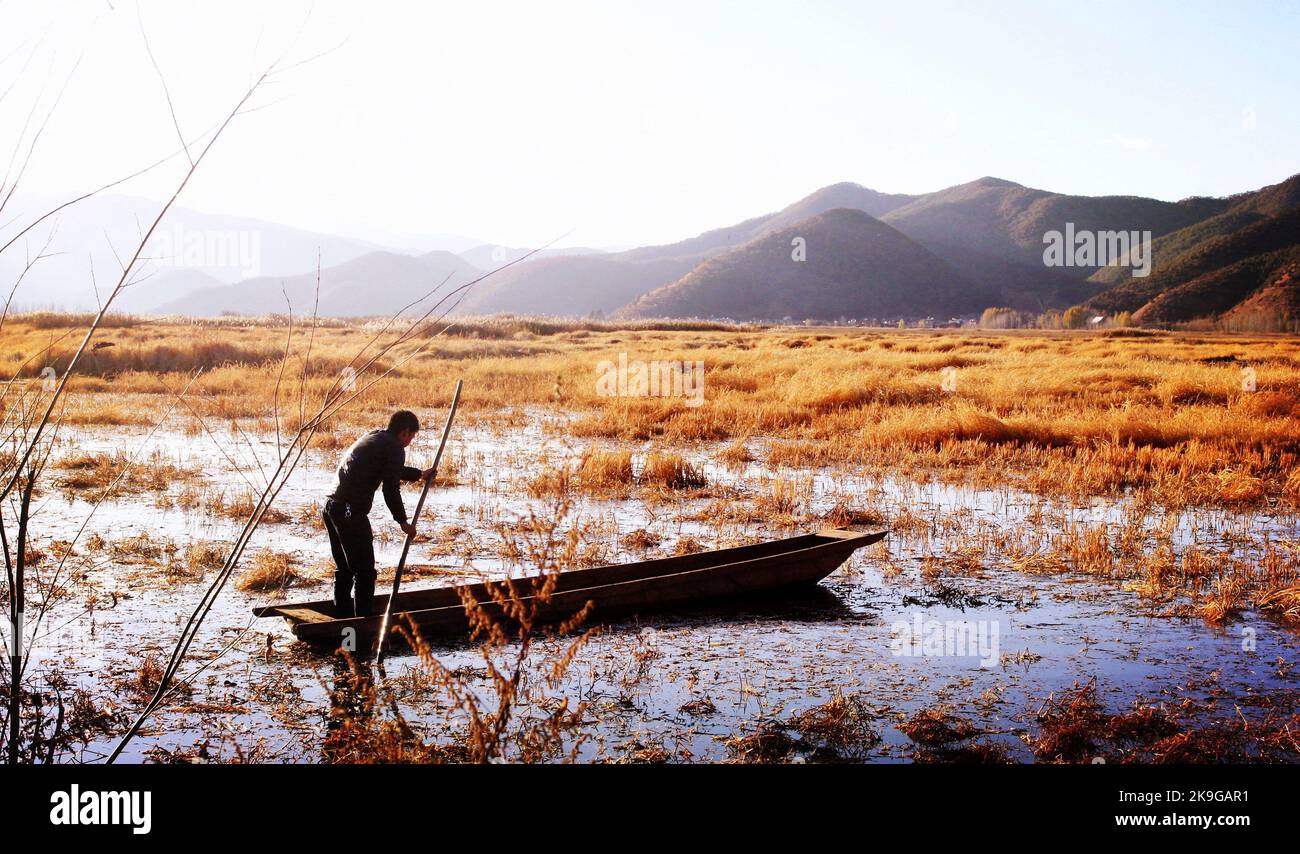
408, 529
428, 474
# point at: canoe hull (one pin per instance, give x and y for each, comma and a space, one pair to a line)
614, 591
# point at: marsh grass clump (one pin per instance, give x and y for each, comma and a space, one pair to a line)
142, 680
844, 515
1142, 725
605, 471
270, 570
839, 730
85, 472
1283, 601
1226, 600
698, 707
1071, 727
941, 737
202, 557
841, 727
769, 744
241, 505
736, 455
780, 502
142, 548
687, 546
638, 753
640, 540
937, 727
551, 482
1074, 727
671, 471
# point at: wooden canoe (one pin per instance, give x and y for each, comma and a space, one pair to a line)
620, 589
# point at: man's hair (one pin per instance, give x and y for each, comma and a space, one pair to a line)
403, 419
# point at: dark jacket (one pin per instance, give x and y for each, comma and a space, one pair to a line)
375, 459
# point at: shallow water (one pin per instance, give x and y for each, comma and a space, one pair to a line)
267, 697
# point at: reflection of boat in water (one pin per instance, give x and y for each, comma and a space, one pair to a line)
622, 589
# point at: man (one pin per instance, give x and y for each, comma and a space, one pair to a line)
376, 459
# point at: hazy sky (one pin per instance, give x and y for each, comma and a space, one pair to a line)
648, 122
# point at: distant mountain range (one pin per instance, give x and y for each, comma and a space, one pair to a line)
1240, 263
842, 251
841, 263
375, 283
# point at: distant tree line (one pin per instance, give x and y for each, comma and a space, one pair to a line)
1075, 317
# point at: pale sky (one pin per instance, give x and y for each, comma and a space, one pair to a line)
645, 123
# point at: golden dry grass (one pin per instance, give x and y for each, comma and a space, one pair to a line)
1053, 412
269, 570
605, 470
671, 471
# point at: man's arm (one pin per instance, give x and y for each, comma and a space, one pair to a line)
395, 471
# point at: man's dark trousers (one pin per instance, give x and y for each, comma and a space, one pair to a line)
353, 546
